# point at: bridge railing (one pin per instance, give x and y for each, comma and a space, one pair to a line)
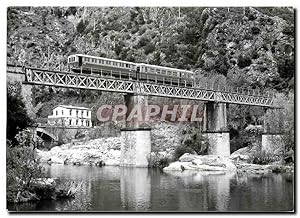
96, 82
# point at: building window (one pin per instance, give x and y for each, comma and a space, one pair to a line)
56, 113
77, 122
62, 112
87, 113
82, 113
77, 113
70, 122
70, 112
88, 123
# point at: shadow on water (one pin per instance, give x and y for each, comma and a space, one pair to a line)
140, 189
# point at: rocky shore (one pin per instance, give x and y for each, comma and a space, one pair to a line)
107, 151
165, 138
93, 152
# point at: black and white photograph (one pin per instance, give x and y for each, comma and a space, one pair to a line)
168, 109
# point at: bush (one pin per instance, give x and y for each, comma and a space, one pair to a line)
181, 150
158, 161
193, 142
255, 30
81, 26
244, 61
22, 168
263, 157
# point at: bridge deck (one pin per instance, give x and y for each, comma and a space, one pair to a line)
94, 82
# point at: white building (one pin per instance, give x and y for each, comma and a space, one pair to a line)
68, 115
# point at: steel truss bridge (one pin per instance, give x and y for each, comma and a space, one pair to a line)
95, 82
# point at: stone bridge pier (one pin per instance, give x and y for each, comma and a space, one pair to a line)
215, 128
136, 143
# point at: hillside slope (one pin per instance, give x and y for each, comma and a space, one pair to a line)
252, 47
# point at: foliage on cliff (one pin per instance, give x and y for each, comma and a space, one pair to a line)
17, 117
252, 46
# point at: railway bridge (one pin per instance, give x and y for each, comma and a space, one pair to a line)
136, 147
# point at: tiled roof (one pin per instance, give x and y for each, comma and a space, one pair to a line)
73, 107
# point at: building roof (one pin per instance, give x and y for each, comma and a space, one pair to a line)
72, 107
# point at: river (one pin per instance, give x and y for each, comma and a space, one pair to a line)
140, 189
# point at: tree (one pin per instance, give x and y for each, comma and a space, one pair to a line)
282, 121
17, 117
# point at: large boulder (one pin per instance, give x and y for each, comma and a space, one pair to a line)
243, 155
202, 163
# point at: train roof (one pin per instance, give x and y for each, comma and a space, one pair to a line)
127, 62
107, 59
167, 68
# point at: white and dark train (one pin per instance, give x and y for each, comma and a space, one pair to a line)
123, 69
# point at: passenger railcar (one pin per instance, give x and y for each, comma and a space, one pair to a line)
170, 75
124, 69
91, 64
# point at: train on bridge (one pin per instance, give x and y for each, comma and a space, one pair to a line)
124, 69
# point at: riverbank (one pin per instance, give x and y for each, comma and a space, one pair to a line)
92, 152
165, 139
45, 189
107, 152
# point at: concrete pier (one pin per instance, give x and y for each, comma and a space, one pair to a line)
215, 128
219, 143
136, 145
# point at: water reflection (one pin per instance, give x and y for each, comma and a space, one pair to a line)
135, 189
140, 189
203, 191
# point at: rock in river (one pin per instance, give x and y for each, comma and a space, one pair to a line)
201, 163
